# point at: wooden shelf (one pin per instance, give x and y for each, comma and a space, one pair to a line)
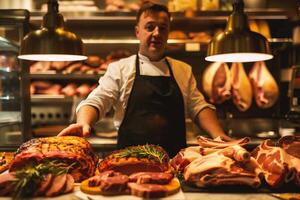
50, 75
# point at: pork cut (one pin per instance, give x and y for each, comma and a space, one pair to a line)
218, 169
68, 149
6, 183
241, 87
216, 162
264, 86
216, 82
278, 167
218, 143
291, 144
280, 162
184, 157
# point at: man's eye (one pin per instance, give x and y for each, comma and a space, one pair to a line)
150, 27
163, 28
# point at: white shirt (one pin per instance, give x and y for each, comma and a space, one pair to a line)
115, 86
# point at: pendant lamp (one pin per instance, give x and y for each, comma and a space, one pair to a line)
238, 43
8, 46
52, 42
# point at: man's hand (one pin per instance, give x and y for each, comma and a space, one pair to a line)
224, 137
82, 130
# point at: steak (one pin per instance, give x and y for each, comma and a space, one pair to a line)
151, 177
113, 182
142, 158
148, 190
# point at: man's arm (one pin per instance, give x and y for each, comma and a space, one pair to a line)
86, 118
207, 119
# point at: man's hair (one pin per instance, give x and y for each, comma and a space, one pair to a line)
151, 7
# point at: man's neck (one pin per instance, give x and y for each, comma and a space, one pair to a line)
152, 58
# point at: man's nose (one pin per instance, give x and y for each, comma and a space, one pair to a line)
156, 31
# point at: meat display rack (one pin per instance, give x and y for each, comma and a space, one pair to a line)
103, 32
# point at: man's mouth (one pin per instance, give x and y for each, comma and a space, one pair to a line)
156, 42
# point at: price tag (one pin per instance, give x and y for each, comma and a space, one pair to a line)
192, 46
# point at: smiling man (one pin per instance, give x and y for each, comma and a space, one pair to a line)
151, 94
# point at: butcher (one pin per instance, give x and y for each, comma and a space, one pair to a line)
150, 93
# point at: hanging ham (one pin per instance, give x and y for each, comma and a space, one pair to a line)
265, 88
216, 82
241, 87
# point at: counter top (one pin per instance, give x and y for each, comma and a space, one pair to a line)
183, 196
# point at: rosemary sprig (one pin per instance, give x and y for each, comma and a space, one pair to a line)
29, 177
142, 151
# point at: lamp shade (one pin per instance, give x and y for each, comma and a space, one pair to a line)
238, 43
52, 42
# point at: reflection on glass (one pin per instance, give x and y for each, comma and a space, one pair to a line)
294, 89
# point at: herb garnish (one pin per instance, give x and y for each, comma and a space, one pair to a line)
142, 151
29, 177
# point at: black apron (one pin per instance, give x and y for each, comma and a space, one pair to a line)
154, 113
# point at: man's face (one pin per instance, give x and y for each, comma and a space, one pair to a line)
152, 31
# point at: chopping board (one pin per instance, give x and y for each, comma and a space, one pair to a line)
177, 196
87, 192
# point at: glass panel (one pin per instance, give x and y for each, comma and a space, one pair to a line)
295, 89
10, 95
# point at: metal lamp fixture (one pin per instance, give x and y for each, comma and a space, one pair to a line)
238, 43
52, 42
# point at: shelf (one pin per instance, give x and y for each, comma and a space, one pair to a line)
53, 75
174, 45
43, 98
103, 16
170, 41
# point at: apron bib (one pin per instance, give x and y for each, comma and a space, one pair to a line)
154, 113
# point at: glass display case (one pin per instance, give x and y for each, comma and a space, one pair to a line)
13, 101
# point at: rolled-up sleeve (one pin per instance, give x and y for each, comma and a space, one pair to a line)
106, 93
195, 99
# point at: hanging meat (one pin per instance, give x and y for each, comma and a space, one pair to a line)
216, 82
241, 87
264, 86
75, 151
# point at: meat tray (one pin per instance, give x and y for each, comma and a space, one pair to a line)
264, 188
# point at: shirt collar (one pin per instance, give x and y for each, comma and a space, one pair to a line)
146, 59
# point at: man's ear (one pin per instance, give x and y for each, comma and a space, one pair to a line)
137, 31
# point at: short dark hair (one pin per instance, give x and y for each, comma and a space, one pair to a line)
151, 7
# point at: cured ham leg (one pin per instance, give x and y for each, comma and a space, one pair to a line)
241, 87
216, 82
265, 88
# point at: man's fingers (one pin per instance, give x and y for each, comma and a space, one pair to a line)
227, 138
86, 130
73, 129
